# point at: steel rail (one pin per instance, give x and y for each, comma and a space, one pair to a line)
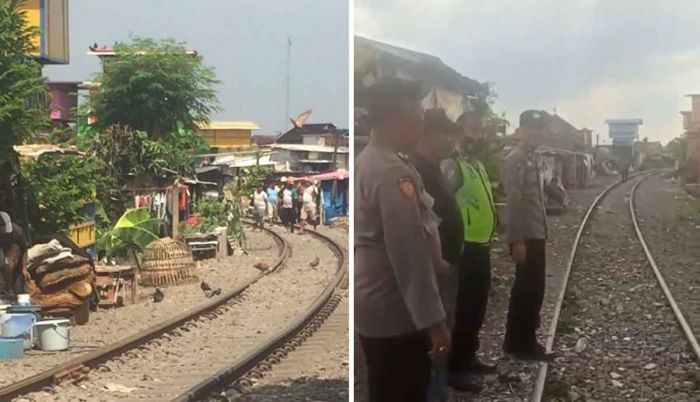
538, 389
257, 357
85, 362
660, 278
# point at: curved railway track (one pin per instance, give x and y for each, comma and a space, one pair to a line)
156, 339
540, 390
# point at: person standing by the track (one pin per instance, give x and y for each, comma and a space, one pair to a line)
472, 187
526, 227
13, 251
436, 145
399, 317
286, 200
272, 208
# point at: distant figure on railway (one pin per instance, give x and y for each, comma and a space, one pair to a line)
624, 168
308, 208
260, 203
13, 251
437, 144
272, 204
286, 200
399, 316
471, 184
526, 227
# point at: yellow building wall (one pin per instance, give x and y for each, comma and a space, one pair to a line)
227, 138
50, 18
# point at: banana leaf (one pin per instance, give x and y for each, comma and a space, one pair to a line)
134, 230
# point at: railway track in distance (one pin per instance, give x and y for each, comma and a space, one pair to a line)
539, 392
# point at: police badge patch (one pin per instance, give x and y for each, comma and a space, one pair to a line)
407, 187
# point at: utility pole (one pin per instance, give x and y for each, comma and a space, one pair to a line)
334, 166
289, 67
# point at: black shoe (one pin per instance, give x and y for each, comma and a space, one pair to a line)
478, 367
464, 382
536, 352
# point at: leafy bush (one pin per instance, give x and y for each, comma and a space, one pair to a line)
57, 187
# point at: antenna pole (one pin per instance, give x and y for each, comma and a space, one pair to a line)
289, 63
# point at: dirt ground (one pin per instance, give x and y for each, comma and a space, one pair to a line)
515, 379
107, 326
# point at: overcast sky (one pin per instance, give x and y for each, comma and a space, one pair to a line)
591, 60
245, 41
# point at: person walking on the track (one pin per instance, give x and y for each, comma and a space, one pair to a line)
472, 186
437, 144
526, 227
399, 316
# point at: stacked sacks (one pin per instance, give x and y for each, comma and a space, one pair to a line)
60, 281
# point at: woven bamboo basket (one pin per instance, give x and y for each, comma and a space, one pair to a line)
167, 262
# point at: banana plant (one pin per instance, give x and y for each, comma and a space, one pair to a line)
132, 232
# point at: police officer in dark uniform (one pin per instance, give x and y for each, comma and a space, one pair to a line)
399, 316
526, 228
437, 144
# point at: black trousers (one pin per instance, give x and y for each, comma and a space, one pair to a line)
398, 368
526, 297
287, 217
470, 310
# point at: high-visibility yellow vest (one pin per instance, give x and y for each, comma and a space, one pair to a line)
475, 201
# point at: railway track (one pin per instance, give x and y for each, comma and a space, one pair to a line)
152, 352
616, 330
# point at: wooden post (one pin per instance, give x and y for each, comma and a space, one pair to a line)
223, 245
176, 210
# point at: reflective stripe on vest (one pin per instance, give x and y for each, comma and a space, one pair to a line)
475, 202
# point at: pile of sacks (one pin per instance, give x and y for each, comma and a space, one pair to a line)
60, 281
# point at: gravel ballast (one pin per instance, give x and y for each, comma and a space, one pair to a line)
617, 336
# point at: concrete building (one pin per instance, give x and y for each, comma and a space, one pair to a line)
623, 133
64, 101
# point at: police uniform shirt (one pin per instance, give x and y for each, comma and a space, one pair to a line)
525, 211
395, 285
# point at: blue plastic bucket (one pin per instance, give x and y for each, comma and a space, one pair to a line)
18, 326
11, 348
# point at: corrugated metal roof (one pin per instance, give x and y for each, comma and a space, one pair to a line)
36, 150
230, 125
310, 148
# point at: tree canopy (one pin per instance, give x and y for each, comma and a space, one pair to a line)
152, 86
23, 93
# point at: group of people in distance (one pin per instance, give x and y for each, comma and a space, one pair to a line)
425, 219
289, 203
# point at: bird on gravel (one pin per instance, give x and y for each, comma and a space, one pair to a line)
205, 286
315, 262
262, 266
215, 292
158, 296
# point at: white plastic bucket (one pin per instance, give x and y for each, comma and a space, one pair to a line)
53, 334
23, 300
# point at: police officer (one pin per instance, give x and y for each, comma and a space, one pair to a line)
399, 317
471, 184
526, 228
436, 145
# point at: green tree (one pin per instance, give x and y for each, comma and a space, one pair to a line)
23, 103
23, 92
152, 86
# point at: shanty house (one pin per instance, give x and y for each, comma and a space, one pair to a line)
314, 134
448, 89
50, 19
310, 158
228, 134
